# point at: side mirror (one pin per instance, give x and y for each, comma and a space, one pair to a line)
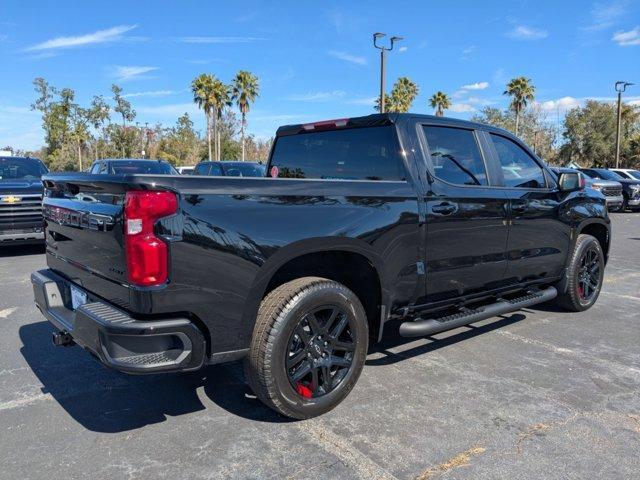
571, 181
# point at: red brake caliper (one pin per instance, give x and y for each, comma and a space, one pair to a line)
303, 390
581, 291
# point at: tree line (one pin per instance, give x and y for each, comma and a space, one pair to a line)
75, 135
588, 133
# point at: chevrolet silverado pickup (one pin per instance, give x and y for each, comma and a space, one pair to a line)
21, 200
385, 224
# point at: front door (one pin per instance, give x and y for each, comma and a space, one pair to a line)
466, 217
538, 240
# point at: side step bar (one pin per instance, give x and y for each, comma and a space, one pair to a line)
422, 327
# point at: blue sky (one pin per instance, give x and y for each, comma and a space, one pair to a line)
315, 60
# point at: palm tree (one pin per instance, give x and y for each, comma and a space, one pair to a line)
202, 88
440, 101
222, 99
245, 89
403, 93
521, 91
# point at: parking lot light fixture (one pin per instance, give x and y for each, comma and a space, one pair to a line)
383, 49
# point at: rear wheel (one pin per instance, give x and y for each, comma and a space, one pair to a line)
584, 275
308, 347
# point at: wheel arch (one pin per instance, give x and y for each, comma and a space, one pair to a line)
347, 261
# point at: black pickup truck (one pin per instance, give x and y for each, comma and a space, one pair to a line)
430, 222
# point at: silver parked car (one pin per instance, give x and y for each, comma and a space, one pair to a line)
611, 190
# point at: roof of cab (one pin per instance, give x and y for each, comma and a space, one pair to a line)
381, 119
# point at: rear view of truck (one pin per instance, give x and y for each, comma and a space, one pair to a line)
106, 260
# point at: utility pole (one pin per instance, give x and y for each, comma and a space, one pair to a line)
383, 59
620, 88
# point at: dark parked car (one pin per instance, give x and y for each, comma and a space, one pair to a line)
432, 222
122, 166
21, 200
630, 188
230, 169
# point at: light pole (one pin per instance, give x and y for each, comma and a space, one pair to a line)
620, 88
383, 50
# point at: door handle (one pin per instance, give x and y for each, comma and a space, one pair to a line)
444, 208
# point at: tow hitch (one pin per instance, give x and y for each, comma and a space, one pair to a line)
62, 339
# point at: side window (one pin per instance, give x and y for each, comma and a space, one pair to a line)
104, 168
518, 168
455, 155
202, 169
216, 170
95, 168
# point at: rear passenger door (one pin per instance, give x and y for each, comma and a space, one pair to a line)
467, 230
538, 240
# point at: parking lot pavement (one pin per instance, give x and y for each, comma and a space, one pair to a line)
534, 394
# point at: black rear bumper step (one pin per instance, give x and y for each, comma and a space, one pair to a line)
117, 339
424, 327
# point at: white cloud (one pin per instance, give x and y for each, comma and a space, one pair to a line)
467, 52
124, 73
317, 96
476, 86
462, 107
403, 49
626, 39
348, 57
523, 32
219, 39
153, 93
564, 103
634, 103
605, 15
170, 110
567, 103
101, 36
367, 101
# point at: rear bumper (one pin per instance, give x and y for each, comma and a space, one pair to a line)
115, 338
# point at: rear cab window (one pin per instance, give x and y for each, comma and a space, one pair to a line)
366, 153
455, 155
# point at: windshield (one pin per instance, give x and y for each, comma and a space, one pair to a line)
141, 166
246, 170
608, 175
635, 174
21, 169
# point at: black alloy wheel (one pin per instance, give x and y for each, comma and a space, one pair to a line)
320, 351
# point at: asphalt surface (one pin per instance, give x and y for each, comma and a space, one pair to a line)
535, 394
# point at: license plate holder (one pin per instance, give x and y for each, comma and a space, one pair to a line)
78, 297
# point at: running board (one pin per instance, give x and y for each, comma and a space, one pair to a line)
422, 327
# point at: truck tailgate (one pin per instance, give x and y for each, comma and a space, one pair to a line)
83, 218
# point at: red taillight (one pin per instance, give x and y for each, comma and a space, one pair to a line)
147, 255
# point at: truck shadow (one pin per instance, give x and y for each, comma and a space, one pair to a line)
392, 340
104, 400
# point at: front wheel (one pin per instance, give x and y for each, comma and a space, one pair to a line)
584, 275
308, 347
